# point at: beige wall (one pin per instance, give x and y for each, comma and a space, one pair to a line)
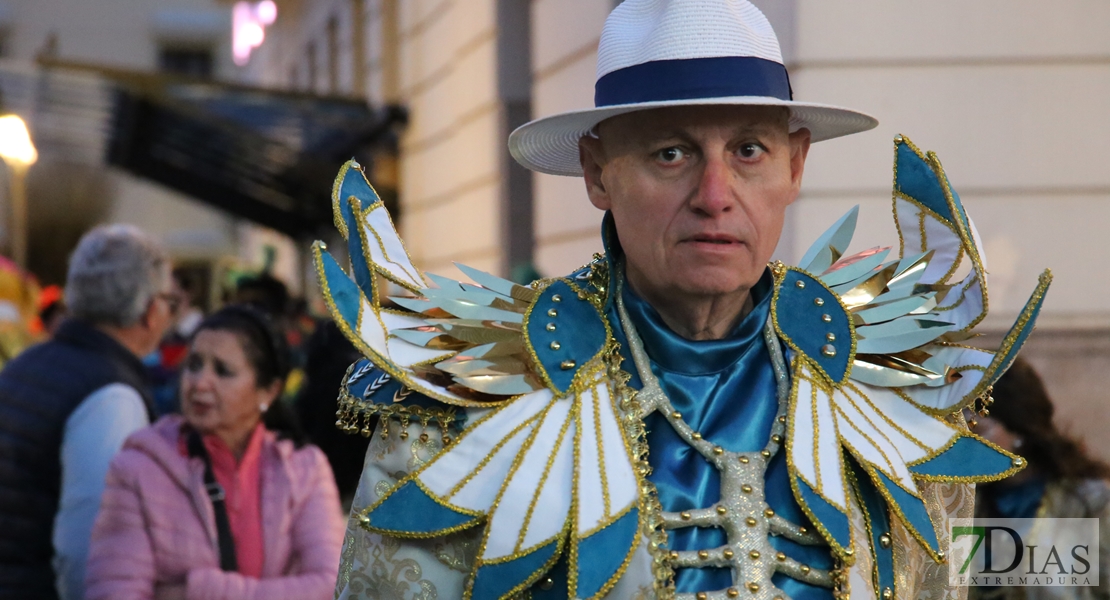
564, 54
443, 69
450, 168
1010, 95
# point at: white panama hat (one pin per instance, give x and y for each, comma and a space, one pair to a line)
657, 53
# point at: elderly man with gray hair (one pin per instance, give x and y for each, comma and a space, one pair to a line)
67, 405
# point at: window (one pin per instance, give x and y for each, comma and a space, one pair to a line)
333, 55
193, 62
310, 63
294, 78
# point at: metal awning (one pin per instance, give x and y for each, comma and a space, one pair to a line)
263, 155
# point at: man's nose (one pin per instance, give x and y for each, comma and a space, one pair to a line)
714, 194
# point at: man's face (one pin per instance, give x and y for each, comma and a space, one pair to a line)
698, 194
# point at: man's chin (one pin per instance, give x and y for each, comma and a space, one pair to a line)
715, 282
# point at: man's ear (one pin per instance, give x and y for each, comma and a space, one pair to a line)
592, 156
147, 318
799, 149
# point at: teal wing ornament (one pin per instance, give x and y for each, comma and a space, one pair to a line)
879, 371
531, 364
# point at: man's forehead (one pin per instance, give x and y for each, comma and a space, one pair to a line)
678, 121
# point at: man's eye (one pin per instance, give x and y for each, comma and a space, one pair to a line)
750, 151
671, 155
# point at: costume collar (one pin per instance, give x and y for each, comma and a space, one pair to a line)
614, 255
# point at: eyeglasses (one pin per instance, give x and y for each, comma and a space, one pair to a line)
173, 300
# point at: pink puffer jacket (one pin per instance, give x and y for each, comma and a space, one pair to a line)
155, 536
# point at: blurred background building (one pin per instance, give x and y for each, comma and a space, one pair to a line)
1010, 93
138, 117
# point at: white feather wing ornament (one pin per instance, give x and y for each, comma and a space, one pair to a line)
879, 373
546, 472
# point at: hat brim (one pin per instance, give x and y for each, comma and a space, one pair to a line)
550, 145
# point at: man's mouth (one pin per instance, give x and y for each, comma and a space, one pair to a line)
714, 238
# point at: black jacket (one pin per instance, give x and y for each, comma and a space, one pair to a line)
39, 389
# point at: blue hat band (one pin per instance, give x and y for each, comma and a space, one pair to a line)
693, 78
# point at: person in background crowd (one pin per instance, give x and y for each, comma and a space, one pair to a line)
329, 354
265, 293
268, 294
220, 502
1061, 481
68, 405
164, 364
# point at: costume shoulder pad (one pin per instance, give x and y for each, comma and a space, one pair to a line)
879, 373
462, 344
368, 392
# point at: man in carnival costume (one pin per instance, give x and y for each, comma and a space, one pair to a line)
677, 419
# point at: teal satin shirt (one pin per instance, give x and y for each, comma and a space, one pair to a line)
726, 390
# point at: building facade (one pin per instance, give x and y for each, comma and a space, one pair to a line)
69, 194
1007, 92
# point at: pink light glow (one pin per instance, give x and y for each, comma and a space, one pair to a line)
248, 27
266, 11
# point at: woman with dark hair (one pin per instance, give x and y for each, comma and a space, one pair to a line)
1060, 481
221, 502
